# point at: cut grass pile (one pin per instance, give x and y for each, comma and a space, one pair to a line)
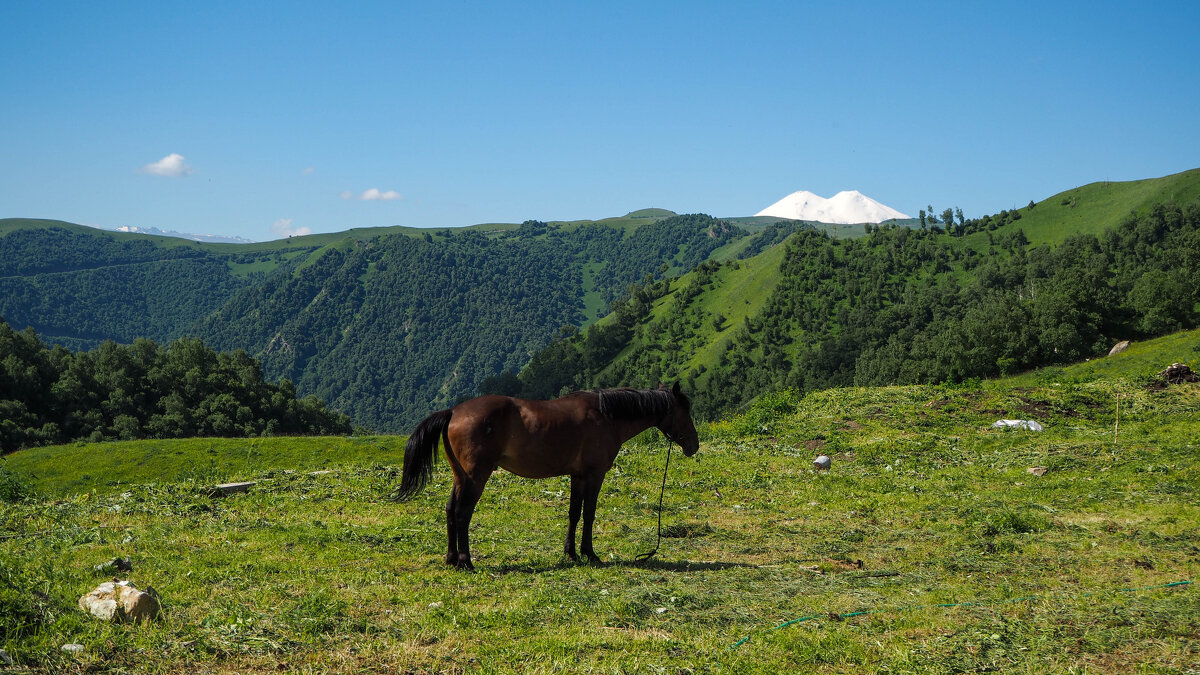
924, 505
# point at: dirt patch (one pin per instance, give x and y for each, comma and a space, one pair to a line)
1033, 409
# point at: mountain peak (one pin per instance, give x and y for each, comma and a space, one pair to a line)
844, 208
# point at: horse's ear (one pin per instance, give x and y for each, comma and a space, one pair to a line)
675, 390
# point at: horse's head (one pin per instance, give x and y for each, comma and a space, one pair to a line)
677, 425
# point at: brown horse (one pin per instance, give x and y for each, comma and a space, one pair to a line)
577, 435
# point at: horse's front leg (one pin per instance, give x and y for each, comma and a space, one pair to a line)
573, 516
591, 491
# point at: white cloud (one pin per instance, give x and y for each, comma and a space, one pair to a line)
172, 165
309, 170
373, 195
283, 228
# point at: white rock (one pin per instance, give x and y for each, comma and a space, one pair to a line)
822, 462
122, 602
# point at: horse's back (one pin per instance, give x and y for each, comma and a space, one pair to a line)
535, 439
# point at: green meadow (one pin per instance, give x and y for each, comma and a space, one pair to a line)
929, 546
1096, 207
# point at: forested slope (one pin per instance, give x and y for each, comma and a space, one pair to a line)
390, 329
897, 306
385, 324
78, 287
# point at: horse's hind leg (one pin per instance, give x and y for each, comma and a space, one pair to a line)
573, 516
451, 528
458, 518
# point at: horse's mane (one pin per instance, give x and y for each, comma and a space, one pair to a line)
626, 403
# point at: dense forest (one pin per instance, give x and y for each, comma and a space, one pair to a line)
144, 390
393, 328
900, 306
77, 288
383, 327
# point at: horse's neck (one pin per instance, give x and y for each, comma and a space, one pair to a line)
627, 429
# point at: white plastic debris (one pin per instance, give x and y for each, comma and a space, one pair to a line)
1017, 424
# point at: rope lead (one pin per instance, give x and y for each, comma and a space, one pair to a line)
650, 554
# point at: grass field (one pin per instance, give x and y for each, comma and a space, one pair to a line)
927, 548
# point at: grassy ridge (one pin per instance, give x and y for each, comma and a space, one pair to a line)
924, 505
1096, 207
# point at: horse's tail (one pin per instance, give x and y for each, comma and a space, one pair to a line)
420, 453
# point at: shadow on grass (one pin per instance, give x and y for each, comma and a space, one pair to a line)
538, 567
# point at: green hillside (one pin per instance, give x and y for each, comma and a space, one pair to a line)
384, 323
1096, 207
898, 305
389, 323
79, 286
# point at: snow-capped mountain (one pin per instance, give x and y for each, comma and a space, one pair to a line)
846, 207
209, 238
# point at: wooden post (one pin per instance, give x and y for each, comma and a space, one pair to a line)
1117, 426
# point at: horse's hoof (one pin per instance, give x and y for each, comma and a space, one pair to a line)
594, 559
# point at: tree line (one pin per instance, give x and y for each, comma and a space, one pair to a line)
53, 395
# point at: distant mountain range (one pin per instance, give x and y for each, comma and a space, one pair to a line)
389, 324
845, 208
209, 238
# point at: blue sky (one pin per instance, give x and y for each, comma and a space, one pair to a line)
257, 119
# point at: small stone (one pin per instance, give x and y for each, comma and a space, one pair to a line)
822, 462
5, 659
660, 610
1036, 470
72, 648
1119, 347
435, 605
